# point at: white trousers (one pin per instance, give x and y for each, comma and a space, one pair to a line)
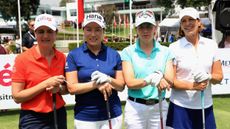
104, 124
141, 116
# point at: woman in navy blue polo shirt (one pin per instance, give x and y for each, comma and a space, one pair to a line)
94, 73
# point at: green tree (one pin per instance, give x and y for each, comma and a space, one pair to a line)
9, 9
193, 3
170, 4
108, 12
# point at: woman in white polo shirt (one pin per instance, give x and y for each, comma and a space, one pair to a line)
196, 67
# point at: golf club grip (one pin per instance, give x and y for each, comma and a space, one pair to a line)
108, 114
108, 110
55, 111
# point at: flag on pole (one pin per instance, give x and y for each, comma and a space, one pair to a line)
80, 11
114, 22
120, 20
126, 22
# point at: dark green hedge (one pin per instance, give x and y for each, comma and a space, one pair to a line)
117, 46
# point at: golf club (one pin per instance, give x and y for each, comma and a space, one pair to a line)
160, 109
55, 111
108, 113
66, 82
202, 106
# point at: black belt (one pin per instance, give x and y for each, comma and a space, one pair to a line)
144, 101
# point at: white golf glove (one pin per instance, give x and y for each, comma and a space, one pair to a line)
154, 78
202, 76
100, 77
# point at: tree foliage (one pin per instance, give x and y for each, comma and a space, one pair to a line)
193, 3
108, 12
9, 8
169, 4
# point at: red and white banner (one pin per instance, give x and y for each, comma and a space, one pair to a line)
7, 62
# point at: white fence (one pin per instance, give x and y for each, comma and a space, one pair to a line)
7, 61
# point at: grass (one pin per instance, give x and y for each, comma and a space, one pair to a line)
9, 119
222, 111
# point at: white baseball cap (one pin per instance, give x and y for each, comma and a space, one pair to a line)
45, 20
192, 12
145, 16
94, 17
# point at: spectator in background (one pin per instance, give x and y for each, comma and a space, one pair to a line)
225, 42
94, 73
2, 49
28, 38
196, 67
10, 47
148, 71
18, 44
171, 38
37, 80
5, 40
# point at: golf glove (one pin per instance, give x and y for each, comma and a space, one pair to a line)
100, 77
202, 76
154, 78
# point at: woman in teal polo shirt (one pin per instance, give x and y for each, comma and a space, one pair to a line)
147, 68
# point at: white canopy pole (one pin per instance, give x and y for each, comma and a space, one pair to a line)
19, 25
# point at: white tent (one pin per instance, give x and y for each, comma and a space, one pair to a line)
169, 22
4, 24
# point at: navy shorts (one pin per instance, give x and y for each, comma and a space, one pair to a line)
184, 118
34, 120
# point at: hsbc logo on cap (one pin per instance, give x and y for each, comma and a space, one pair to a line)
145, 14
44, 18
94, 17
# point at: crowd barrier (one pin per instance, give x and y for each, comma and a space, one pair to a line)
7, 62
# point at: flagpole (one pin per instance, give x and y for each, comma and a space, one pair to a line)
115, 26
119, 33
124, 22
112, 31
19, 25
131, 20
77, 25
